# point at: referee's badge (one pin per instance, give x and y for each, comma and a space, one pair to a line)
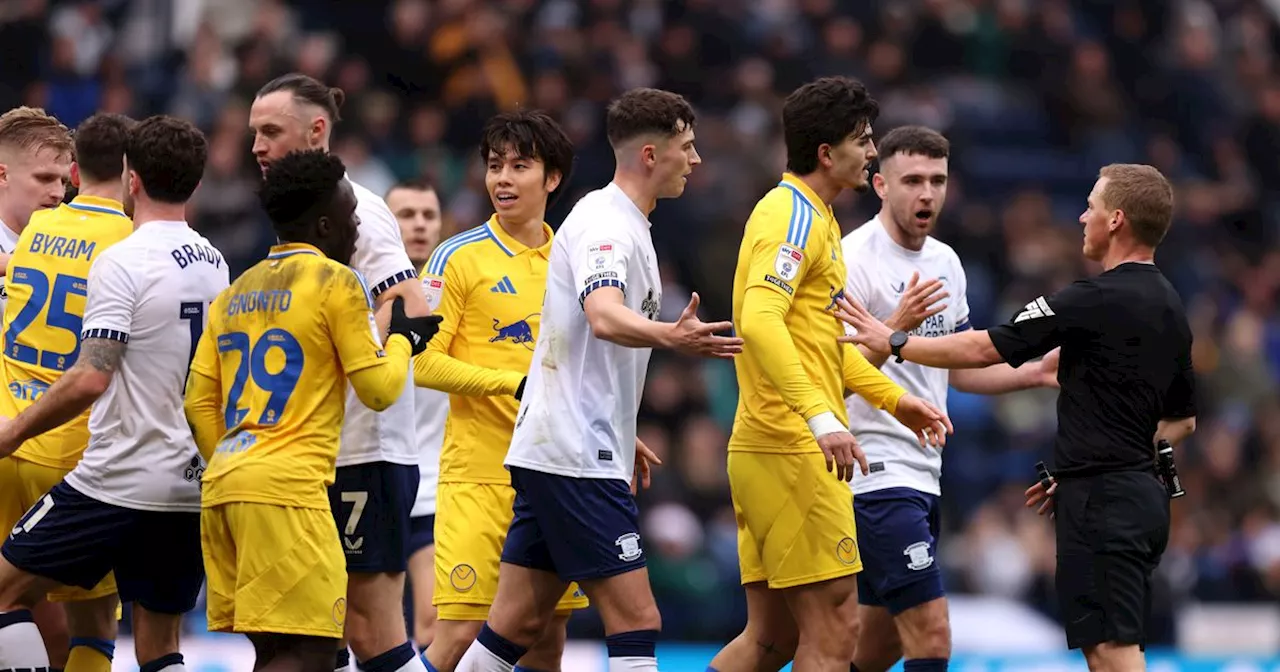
787, 265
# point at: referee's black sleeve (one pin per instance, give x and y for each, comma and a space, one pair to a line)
1047, 323
1180, 400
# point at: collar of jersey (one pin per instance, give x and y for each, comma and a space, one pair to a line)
797, 185
289, 249
512, 246
106, 206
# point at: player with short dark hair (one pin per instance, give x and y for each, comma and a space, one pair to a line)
797, 541
1126, 383
266, 402
905, 276
139, 478
488, 283
573, 454
377, 480
41, 345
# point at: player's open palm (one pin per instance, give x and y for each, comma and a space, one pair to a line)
930, 425
869, 331
919, 302
842, 451
692, 336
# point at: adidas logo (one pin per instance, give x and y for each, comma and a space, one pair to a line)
1034, 310
504, 286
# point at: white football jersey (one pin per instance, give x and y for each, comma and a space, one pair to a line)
578, 416
432, 409
367, 435
879, 270
150, 291
8, 242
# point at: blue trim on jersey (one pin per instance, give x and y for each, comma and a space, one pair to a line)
390, 282
96, 208
601, 284
799, 193
109, 334
801, 219
290, 253
497, 241
440, 258
963, 326
364, 284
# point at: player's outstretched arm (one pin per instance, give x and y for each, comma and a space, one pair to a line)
967, 349
611, 320
70, 396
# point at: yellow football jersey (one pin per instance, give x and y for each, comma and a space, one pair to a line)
490, 290
47, 285
791, 271
282, 341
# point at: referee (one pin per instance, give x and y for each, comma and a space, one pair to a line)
1126, 383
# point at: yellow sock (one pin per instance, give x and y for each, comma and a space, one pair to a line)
87, 658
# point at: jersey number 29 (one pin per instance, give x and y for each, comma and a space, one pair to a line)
253, 366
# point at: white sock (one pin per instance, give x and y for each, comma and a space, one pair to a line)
633, 664
20, 642
480, 659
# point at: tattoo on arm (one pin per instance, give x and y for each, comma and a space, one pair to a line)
103, 354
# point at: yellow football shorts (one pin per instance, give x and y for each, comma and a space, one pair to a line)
274, 569
22, 484
795, 519
471, 526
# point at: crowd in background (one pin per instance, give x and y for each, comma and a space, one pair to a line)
1035, 96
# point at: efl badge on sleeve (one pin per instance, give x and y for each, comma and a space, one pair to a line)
787, 265
600, 256
434, 289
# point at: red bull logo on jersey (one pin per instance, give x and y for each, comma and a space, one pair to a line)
836, 295
517, 332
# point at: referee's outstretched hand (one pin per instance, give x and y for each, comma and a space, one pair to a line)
1037, 495
692, 336
930, 425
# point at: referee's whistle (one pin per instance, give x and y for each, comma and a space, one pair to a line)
1042, 472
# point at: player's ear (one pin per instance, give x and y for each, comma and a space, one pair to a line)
75, 174
319, 131
824, 155
649, 155
878, 183
135, 183
552, 180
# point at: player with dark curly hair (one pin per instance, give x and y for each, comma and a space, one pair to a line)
266, 403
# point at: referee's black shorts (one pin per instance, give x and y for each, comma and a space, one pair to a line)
1111, 531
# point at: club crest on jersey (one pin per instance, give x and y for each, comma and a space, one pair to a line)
519, 332
787, 263
434, 289
600, 256
836, 294
629, 544
847, 550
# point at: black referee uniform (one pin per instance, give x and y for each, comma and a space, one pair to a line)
1125, 365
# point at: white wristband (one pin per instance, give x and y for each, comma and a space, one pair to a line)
823, 424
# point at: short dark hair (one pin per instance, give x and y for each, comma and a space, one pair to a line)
823, 112
308, 89
413, 184
169, 156
914, 140
643, 111
531, 134
1144, 195
299, 188
100, 143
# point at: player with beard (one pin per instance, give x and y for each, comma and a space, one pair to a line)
903, 607
377, 481
796, 535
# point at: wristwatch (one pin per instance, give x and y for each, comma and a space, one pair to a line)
896, 340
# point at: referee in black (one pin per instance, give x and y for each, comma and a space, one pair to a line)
1126, 384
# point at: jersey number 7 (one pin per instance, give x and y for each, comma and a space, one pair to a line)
64, 286
253, 365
